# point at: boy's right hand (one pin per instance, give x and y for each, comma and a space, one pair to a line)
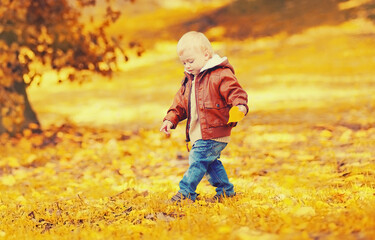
166, 127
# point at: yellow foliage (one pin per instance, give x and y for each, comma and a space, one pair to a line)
304, 212
8, 180
302, 162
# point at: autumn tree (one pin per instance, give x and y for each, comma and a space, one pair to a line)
50, 33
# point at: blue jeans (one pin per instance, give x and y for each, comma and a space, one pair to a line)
204, 160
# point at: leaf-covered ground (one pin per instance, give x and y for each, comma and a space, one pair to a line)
302, 162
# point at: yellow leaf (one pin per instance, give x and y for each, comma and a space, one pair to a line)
326, 134
27, 132
164, 217
288, 201
8, 180
235, 115
332, 226
225, 229
13, 162
305, 212
21, 199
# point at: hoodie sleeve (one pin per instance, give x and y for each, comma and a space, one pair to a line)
231, 90
177, 112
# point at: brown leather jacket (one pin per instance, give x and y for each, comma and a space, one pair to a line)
217, 90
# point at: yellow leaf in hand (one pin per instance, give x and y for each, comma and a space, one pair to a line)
235, 115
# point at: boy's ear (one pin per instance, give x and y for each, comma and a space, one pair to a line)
206, 54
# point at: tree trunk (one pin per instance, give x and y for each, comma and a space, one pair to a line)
2, 128
28, 114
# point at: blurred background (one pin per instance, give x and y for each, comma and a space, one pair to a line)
113, 63
85, 84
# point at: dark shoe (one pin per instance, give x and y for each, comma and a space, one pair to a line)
179, 198
219, 198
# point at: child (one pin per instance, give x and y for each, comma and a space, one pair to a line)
208, 91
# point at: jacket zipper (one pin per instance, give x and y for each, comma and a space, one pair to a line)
196, 82
196, 102
188, 120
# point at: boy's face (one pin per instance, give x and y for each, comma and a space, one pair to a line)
194, 60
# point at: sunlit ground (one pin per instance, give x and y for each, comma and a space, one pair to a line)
310, 70
302, 161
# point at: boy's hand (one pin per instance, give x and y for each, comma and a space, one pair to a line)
166, 127
242, 108
236, 114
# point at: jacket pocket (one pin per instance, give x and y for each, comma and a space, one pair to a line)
217, 113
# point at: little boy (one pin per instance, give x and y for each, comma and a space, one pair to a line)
208, 91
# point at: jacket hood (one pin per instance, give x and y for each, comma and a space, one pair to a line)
216, 61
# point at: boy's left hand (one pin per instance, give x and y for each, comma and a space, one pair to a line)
242, 108
236, 114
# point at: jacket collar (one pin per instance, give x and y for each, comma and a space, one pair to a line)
215, 61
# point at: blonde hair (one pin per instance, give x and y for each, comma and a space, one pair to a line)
196, 40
